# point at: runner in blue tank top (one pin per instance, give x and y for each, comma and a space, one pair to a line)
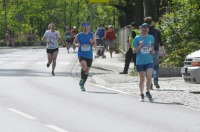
85, 41
143, 45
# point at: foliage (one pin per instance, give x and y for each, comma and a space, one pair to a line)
37, 14
180, 30
176, 57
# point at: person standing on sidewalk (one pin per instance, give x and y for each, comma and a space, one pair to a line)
85, 41
101, 34
129, 54
158, 43
143, 45
110, 39
51, 37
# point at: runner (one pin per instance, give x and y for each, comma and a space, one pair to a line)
68, 39
74, 32
85, 41
143, 45
51, 37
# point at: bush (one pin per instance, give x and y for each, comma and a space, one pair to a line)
176, 58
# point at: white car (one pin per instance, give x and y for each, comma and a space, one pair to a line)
191, 69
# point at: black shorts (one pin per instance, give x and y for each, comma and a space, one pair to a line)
50, 51
88, 61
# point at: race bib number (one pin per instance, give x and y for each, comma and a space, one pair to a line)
145, 50
85, 47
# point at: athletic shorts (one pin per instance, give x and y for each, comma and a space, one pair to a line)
144, 67
88, 61
50, 51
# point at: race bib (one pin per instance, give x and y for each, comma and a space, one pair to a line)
145, 50
85, 47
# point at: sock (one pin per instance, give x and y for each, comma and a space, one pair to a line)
83, 75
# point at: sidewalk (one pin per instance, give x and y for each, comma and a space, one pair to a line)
173, 89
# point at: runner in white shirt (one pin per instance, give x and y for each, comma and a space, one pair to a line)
51, 37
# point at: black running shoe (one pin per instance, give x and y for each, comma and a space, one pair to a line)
52, 73
141, 99
123, 72
81, 83
157, 85
48, 64
148, 95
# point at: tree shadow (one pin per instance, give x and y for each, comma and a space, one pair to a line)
30, 72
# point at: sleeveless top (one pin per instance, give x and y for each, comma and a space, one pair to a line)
86, 49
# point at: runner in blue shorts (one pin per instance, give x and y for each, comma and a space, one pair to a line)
85, 41
143, 46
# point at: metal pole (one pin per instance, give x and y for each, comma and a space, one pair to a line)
91, 17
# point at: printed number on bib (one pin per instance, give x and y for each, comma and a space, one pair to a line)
145, 50
85, 47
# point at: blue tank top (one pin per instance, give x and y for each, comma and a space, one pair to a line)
100, 32
86, 48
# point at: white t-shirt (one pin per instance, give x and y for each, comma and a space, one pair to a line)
52, 39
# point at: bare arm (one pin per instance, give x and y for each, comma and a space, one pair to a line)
75, 42
93, 42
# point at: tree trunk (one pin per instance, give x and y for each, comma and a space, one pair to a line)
139, 12
151, 9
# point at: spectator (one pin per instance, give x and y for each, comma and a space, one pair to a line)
110, 39
158, 43
129, 54
101, 34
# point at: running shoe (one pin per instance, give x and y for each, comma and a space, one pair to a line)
157, 85
52, 73
48, 64
141, 99
82, 88
148, 95
81, 83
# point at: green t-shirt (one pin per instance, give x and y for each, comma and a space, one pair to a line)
68, 36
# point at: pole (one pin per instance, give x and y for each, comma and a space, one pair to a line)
91, 17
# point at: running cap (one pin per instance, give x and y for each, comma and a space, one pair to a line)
74, 27
144, 25
85, 24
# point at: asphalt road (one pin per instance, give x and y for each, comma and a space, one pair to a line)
32, 100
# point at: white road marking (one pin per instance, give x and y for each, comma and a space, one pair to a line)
21, 113
110, 89
56, 128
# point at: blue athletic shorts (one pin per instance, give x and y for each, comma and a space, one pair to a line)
144, 67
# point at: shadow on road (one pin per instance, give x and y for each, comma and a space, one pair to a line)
100, 92
168, 103
30, 72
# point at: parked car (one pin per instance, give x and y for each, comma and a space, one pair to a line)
191, 69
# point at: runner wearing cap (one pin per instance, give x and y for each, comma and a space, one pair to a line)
85, 41
143, 45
